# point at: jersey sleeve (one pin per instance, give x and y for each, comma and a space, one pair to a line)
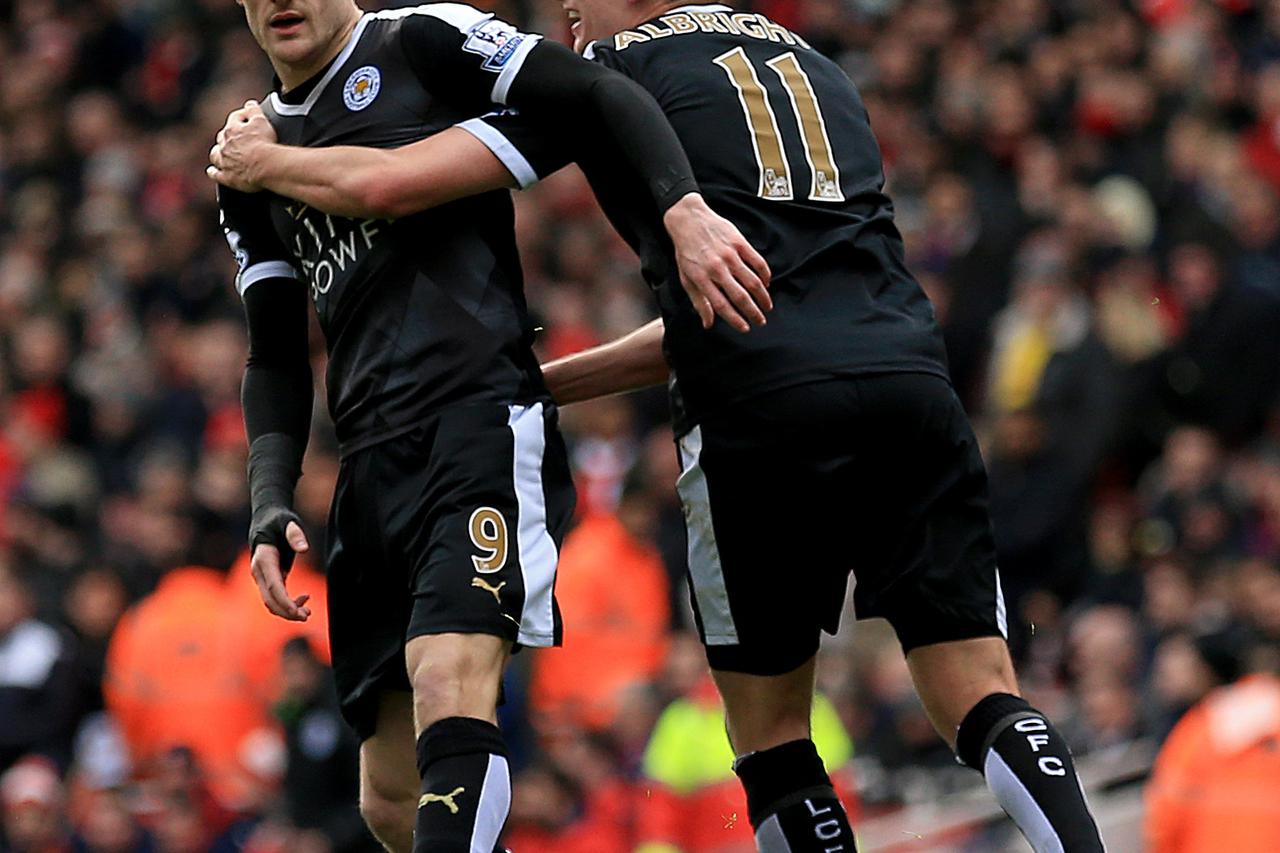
246, 222
531, 150
463, 55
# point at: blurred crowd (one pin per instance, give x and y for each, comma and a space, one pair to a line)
1089, 190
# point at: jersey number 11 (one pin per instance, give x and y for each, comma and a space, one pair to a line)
766, 139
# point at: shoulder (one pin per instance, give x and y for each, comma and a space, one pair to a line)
455, 16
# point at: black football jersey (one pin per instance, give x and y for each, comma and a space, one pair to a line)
425, 311
781, 145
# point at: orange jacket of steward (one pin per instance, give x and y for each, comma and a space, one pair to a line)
612, 591
1216, 784
194, 663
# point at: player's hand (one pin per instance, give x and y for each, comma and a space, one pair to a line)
277, 537
237, 153
719, 270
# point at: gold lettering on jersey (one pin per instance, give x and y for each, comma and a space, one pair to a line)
656, 31
776, 32
708, 22
748, 24
724, 18
680, 23
626, 38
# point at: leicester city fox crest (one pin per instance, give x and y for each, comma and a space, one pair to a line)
362, 87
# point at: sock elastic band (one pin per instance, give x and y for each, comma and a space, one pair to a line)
985, 722
771, 775
458, 736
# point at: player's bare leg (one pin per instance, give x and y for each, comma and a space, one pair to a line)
462, 759
389, 775
790, 801
971, 694
951, 678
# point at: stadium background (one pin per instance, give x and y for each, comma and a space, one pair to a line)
1089, 191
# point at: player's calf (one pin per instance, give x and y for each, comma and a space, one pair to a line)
466, 787
1029, 769
462, 758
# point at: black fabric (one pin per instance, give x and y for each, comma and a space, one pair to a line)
453, 759
458, 736
423, 312
276, 397
772, 774
400, 546
790, 782
844, 300
277, 393
984, 720
609, 115
891, 463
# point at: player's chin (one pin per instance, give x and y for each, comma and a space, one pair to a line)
291, 48
579, 41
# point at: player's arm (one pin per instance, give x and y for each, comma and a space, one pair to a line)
276, 394
477, 61
630, 363
353, 181
613, 116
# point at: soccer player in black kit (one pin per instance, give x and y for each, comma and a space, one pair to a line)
827, 441
454, 491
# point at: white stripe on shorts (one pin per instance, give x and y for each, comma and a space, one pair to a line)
704, 556
538, 553
1001, 618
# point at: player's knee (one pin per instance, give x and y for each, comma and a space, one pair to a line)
389, 816
458, 679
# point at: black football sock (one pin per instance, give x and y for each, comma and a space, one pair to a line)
1029, 768
466, 787
791, 803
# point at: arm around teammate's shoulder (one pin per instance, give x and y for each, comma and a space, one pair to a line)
606, 112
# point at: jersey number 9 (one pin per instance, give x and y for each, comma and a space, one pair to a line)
488, 533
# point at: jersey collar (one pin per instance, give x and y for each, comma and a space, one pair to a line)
316, 85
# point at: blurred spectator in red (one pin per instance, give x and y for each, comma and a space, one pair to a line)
175, 678
106, 825
579, 799
32, 797
1214, 782
612, 589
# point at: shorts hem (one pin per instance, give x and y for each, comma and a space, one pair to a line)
916, 639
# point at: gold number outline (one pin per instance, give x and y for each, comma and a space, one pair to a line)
824, 182
766, 141
495, 546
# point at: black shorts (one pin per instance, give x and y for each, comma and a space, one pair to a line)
454, 527
784, 498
